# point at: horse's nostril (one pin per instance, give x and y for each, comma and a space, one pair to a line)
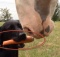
47, 29
28, 30
42, 32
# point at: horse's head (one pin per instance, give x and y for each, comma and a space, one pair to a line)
36, 15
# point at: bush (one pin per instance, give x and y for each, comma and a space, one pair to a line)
56, 14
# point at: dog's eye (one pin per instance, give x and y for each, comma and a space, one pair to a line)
42, 32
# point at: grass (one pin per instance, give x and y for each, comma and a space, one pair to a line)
51, 48
1, 23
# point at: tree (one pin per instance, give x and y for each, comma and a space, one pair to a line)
5, 15
56, 14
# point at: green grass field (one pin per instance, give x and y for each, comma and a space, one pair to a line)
1, 23
51, 48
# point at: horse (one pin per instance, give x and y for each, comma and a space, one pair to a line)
36, 16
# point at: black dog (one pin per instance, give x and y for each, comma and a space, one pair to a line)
17, 36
